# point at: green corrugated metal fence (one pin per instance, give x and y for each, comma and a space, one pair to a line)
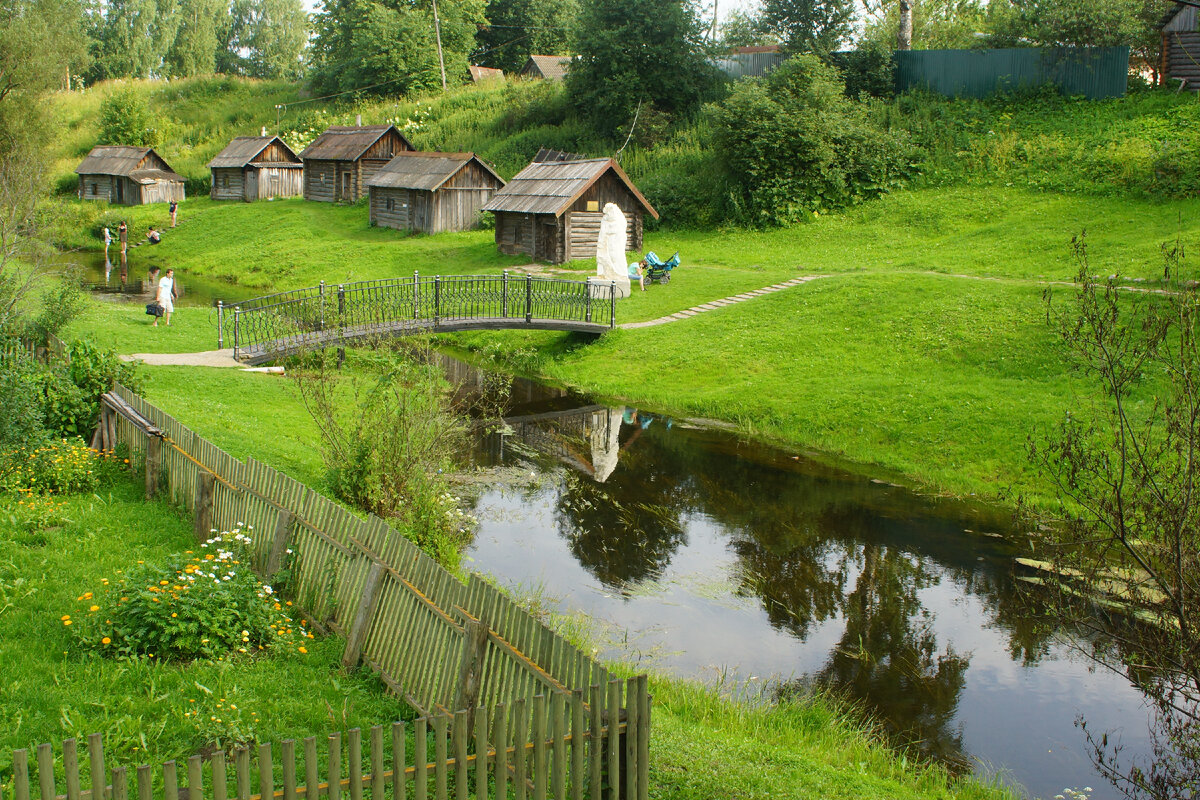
1094, 72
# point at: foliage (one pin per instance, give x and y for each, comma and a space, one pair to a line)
207, 605
274, 34
937, 24
809, 26
867, 70
796, 146
1125, 553
632, 53
516, 28
126, 118
56, 467
743, 28
21, 423
388, 45
194, 51
395, 465
96, 371
61, 304
133, 38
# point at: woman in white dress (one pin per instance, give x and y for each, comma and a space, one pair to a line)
166, 296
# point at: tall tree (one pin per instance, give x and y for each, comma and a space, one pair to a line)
517, 28
809, 26
936, 24
194, 51
135, 37
904, 35
389, 45
275, 35
41, 43
743, 28
637, 52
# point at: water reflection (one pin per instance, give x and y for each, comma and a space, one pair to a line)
731, 554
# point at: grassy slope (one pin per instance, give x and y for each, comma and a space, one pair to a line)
52, 690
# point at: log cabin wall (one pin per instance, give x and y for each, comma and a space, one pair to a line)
160, 191
98, 187
457, 202
582, 224
227, 184
279, 182
320, 179
402, 209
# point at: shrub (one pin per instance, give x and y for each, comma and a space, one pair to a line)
869, 70
58, 467
126, 119
21, 422
795, 145
206, 604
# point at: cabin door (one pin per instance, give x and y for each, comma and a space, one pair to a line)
120, 182
251, 184
346, 186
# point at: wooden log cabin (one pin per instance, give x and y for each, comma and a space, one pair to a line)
129, 176
552, 209
256, 168
1181, 47
431, 192
340, 160
551, 68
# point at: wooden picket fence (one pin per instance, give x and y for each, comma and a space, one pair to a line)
463, 756
442, 645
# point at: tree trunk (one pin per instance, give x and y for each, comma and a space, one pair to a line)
904, 37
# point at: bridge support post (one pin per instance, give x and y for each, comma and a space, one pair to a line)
504, 296
437, 299
612, 299
237, 315
321, 306
220, 324
528, 299
587, 303
416, 295
341, 323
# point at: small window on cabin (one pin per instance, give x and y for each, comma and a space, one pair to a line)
224, 181
593, 205
95, 190
391, 204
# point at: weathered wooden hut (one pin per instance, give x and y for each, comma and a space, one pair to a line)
552, 68
256, 168
338, 161
485, 74
129, 176
552, 209
431, 192
1181, 46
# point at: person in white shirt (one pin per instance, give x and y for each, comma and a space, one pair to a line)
166, 296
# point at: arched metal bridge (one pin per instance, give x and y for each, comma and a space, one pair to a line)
271, 327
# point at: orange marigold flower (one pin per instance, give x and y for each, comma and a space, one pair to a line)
106, 640
93, 608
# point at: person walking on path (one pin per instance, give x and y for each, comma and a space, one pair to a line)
123, 235
107, 241
166, 297
173, 208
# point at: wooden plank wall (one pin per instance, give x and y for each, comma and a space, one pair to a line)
160, 191
227, 184
97, 187
401, 217
403, 614
320, 178
279, 182
1183, 57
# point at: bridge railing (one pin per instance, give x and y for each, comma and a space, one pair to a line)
294, 320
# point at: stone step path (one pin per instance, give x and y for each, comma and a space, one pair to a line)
713, 305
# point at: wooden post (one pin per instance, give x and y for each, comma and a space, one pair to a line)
283, 535
470, 671
205, 483
643, 736
366, 606
153, 465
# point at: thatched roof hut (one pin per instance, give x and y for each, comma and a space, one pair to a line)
431, 192
128, 175
549, 67
256, 168
552, 209
341, 159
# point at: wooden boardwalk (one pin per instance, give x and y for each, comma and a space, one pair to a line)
268, 328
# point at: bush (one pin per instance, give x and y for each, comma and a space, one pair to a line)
207, 605
21, 422
57, 467
126, 119
870, 70
795, 145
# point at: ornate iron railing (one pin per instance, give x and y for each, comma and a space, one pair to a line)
265, 328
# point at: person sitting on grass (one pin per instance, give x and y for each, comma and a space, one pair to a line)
154, 236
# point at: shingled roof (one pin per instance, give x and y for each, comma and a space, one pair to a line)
347, 142
244, 149
552, 67
120, 159
423, 170
551, 187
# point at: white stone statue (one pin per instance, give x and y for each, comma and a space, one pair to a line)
606, 442
610, 253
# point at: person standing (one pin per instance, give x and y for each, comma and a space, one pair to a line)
174, 207
123, 235
166, 297
107, 241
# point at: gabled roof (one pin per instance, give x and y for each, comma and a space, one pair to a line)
120, 159
244, 149
551, 187
424, 171
553, 67
347, 142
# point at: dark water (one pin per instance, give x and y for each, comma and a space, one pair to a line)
716, 557
128, 277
